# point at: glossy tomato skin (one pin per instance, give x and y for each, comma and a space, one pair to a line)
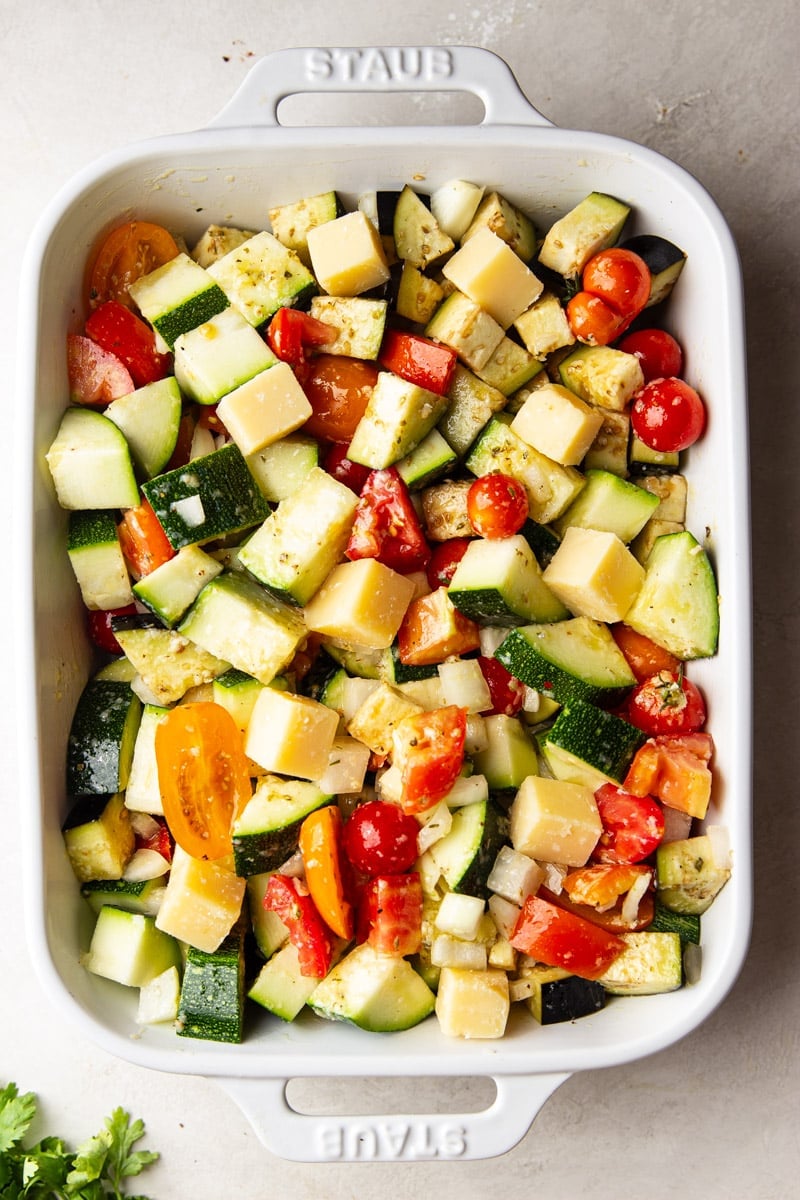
419, 359
506, 691
159, 840
118, 330
379, 838
386, 525
291, 333
644, 656
338, 390
336, 463
445, 557
390, 914
668, 415
619, 277
429, 753
659, 353
203, 776
290, 900
611, 918
320, 846
497, 505
633, 826
143, 541
99, 626
666, 703
560, 938
96, 376
592, 320
124, 255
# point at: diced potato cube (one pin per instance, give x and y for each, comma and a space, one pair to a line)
292, 735
264, 409
487, 270
594, 574
362, 602
375, 721
472, 1004
347, 255
202, 901
555, 821
558, 423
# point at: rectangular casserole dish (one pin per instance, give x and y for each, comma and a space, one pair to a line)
232, 172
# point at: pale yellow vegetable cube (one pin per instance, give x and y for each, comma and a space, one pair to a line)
594, 574
375, 721
202, 901
265, 408
557, 423
487, 270
472, 1004
361, 602
555, 821
291, 735
347, 255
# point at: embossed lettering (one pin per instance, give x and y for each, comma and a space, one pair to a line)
330, 1139
376, 65
384, 1141
318, 64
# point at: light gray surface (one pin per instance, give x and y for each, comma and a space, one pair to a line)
714, 87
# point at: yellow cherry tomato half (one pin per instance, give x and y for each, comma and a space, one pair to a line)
203, 776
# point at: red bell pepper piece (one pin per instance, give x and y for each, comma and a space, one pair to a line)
418, 359
308, 933
559, 938
390, 914
386, 525
291, 332
116, 329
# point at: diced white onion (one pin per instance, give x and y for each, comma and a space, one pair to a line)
472, 789
190, 510
144, 865
202, 443
460, 915
463, 683
514, 875
447, 951
630, 905
490, 638
554, 875
454, 204
436, 826
504, 914
477, 738
293, 867
389, 785
519, 989
144, 825
720, 839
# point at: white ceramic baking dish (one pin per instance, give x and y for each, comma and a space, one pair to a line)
232, 171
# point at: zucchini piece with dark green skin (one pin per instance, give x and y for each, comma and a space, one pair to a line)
137, 896
212, 993
213, 496
96, 558
664, 259
98, 837
586, 744
465, 855
685, 924
102, 737
568, 660
266, 832
542, 540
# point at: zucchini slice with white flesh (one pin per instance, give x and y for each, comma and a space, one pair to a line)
90, 463
177, 297
98, 837
377, 992
418, 238
678, 605
573, 659
96, 557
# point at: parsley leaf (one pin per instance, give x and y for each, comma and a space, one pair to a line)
97, 1170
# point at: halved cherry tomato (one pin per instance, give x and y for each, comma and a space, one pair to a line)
127, 253
633, 825
668, 415
497, 505
666, 702
390, 914
99, 626
619, 277
658, 352
336, 463
643, 656
445, 557
602, 885
96, 376
116, 328
338, 390
418, 359
429, 753
308, 933
379, 838
506, 691
320, 848
203, 776
592, 320
560, 938
386, 525
432, 630
291, 332
144, 544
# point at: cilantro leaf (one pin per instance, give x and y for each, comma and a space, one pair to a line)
16, 1114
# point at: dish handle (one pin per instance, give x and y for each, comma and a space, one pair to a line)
384, 69
301, 1137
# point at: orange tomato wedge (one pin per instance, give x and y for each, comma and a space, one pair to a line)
320, 848
127, 253
144, 544
203, 776
601, 886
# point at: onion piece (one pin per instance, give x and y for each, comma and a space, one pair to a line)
145, 864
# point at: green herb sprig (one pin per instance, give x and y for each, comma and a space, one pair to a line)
97, 1170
